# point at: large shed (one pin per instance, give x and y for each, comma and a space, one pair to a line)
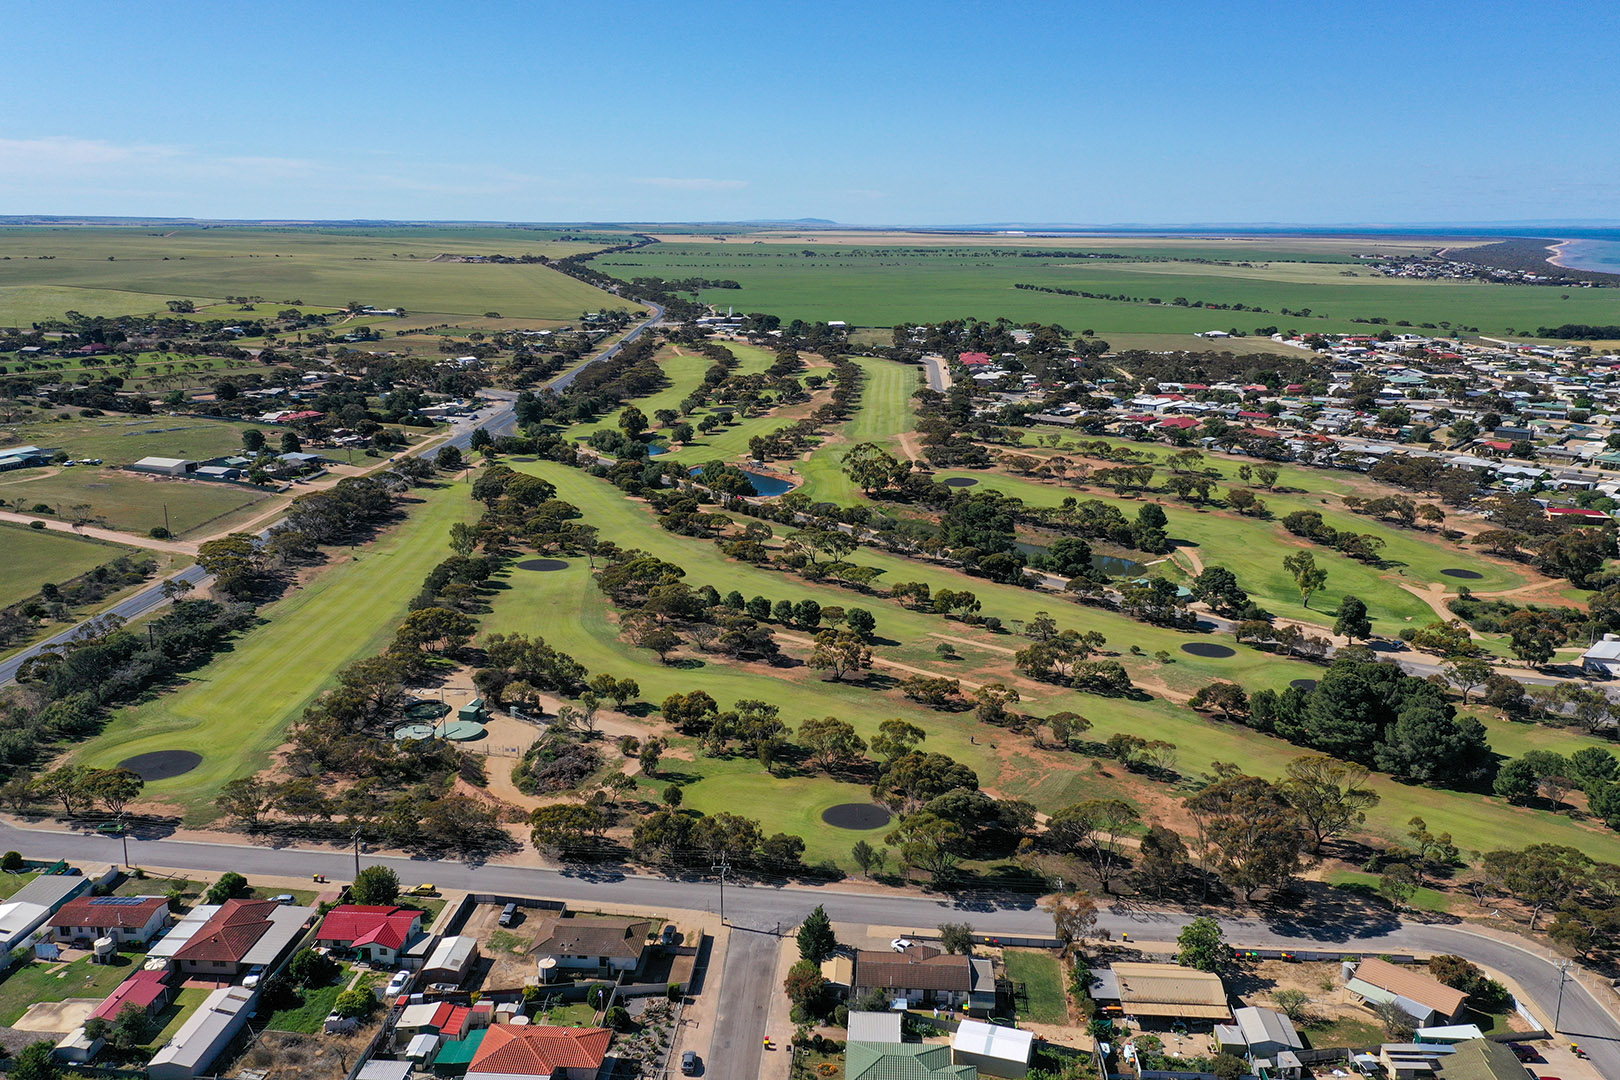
1170, 992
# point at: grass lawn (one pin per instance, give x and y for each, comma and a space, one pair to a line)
133, 503
10, 883
576, 1014
235, 710
1346, 1032
1357, 881
57, 982
308, 1017
1042, 977
186, 1002
157, 885
35, 556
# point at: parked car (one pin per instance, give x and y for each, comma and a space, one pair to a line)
424, 889
901, 944
285, 898
254, 976
689, 1063
397, 984
508, 915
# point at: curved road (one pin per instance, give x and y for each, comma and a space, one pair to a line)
760, 906
499, 420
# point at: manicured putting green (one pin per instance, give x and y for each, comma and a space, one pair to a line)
162, 764
1469, 575
1208, 649
543, 565
858, 816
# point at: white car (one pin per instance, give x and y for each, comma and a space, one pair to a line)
397, 984
901, 944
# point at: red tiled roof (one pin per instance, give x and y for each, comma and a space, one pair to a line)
229, 933
539, 1051
93, 911
1576, 511
144, 988
1179, 422
970, 358
361, 924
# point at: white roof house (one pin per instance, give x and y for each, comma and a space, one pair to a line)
880, 1027
181, 932
200, 1039
992, 1049
1603, 658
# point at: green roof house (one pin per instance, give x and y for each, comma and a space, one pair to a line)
902, 1061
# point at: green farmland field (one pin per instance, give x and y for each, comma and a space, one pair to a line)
35, 556
320, 267
133, 503
871, 286
119, 440
235, 710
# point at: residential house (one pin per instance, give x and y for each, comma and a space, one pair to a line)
512, 1052
239, 935
1264, 1035
439, 1018
605, 945
992, 1049
34, 903
125, 919
874, 1027
1165, 992
377, 933
923, 976
1427, 1000
903, 1061
146, 990
1482, 1059
1603, 657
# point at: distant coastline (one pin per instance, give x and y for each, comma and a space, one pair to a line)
1586, 255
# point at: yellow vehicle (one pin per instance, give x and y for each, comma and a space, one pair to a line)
424, 889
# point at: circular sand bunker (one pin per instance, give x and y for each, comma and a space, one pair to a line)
1303, 684
1467, 575
162, 764
854, 815
960, 481
543, 565
1208, 649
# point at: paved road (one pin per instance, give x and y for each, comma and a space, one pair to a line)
499, 418
738, 1040
760, 907
939, 377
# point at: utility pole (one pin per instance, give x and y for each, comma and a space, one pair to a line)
357, 854
1563, 973
722, 867
166, 518
123, 834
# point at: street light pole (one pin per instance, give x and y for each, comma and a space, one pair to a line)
722, 868
357, 854
123, 834
1563, 973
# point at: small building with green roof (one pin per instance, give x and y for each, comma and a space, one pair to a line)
903, 1061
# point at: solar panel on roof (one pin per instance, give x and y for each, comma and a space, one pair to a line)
117, 901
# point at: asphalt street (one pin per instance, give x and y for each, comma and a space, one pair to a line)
761, 908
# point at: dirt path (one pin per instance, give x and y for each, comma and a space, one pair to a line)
176, 547
1435, 596
45, 473
976, 644
880, 662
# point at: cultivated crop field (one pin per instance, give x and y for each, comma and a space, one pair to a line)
867, 285
47, 271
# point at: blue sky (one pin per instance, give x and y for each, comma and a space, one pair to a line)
871, 113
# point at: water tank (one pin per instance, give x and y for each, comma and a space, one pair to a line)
1347, 969
103, 951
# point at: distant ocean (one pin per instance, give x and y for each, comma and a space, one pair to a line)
1597, 255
